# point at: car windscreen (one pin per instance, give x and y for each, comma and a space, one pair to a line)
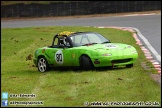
87, 38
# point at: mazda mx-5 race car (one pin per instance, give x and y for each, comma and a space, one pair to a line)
85, 50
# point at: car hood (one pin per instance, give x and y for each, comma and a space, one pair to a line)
109, 46
112, 48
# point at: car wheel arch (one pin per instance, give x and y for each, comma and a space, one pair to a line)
40, 56
84, 55
90, 66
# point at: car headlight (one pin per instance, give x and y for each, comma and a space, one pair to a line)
107, 54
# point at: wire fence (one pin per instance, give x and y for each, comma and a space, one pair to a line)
77, 8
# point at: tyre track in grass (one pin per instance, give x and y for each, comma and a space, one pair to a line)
40, 82
18, 56
36, 91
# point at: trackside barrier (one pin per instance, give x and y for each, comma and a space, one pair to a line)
76, 8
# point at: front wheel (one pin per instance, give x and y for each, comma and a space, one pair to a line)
42, 64
85, 63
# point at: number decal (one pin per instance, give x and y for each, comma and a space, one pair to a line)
59, 57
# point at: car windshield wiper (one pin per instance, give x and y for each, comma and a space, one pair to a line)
88, 44
105, 42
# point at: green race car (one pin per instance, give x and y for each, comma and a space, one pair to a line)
85, 50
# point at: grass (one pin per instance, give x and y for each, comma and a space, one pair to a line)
67, 87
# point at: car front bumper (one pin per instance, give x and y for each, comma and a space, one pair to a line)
114, 60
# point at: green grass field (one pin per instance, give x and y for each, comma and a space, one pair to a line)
66, 87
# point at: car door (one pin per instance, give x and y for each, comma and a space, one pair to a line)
61, 55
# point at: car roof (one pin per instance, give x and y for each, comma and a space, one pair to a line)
82, 33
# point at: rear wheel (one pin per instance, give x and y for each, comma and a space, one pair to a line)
85, 63
42, 64
129, 65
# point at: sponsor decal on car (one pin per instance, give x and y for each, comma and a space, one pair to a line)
73, 55
110, 46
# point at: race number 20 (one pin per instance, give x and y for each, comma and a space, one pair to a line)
59, 57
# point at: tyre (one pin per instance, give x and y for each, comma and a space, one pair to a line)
85, 63
129, 65
42, 64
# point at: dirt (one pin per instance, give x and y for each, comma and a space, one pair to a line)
29, 57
